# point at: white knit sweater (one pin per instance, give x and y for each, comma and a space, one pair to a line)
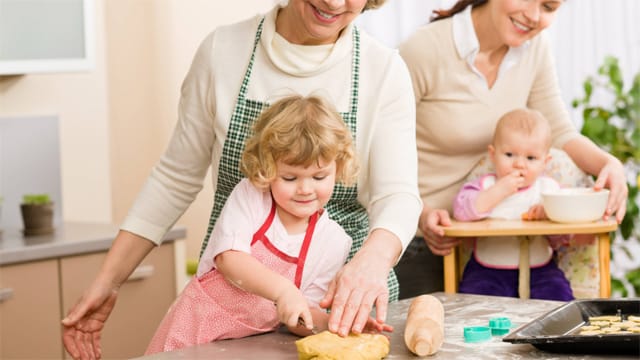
385, 138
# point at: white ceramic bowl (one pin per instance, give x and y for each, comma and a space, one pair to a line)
575, 205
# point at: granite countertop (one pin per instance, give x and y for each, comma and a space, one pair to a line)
70, 238
461, 310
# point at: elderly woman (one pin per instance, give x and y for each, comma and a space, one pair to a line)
302, 46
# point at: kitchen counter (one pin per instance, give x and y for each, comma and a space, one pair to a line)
461, 310
42, 277
71, 238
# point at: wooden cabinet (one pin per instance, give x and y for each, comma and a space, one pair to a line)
30, 311
142, 300
36, 295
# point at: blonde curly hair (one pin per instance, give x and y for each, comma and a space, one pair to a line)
298, 131
374, 4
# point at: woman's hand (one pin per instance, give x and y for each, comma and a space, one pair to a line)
593, 160
361, 283
82, 327
612, 176
432, 223
84, 322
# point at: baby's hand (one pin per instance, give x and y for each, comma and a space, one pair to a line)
292, 306
536, 212
511, 183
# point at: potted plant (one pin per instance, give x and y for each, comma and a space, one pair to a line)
612, 120
37, 214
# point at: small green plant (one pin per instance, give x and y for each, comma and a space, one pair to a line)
36, 199
614, 125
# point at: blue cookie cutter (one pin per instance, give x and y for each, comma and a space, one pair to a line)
499, 326
473, 334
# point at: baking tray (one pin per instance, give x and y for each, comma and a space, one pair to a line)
557, 331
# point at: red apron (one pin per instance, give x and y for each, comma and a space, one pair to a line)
210, 308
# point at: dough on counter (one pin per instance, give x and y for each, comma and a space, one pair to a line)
329, 346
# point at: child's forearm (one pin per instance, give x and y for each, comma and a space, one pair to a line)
242, 270
488, 199
469, 206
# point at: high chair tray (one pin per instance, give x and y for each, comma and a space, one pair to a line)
559, 330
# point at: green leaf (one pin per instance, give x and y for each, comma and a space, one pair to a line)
618, 287
588, 89
575, 103
615, 76
633, 277
626, 227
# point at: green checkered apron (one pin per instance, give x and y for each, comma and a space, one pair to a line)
343, 207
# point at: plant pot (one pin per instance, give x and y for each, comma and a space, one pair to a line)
37, 219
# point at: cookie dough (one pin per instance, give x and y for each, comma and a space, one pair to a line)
329, 346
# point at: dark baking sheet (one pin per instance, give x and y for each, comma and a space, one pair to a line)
557, 330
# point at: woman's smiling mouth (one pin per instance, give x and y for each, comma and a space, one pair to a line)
520, 26
323, 14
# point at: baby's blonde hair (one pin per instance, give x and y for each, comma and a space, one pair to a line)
374, 4
527, 121
298, 131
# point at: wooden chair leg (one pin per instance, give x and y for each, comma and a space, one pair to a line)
451, 276
604, 265
524, 272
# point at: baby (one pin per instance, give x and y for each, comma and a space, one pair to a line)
520, 152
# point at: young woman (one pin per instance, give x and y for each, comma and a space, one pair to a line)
470, 65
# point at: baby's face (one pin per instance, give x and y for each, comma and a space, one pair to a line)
515, 151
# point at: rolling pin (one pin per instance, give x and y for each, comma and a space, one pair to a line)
424, 330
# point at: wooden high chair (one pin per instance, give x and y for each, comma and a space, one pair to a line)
522, 229
585, 262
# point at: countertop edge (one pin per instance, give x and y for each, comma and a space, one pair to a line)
99, 238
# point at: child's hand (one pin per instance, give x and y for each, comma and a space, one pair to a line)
536, 212
292, 306
374, 327
511, 183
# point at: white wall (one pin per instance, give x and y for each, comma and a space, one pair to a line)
79, 100
116, 119
149, 50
